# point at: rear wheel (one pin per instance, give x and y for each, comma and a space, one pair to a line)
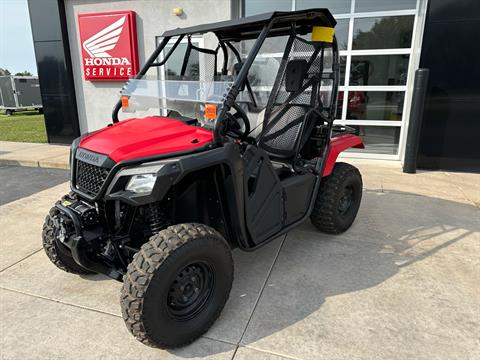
338, 199
58, 253
177, 285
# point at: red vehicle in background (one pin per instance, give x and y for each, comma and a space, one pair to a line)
357, 104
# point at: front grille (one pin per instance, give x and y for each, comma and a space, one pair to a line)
90, 178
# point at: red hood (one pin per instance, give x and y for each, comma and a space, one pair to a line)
153, 135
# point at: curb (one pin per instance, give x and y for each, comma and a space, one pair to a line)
41, 163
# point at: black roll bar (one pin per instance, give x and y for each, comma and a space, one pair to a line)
242, 75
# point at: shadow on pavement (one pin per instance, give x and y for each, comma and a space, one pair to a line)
18, 182
96, 277
393, 230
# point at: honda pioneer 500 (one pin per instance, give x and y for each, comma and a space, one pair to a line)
234, 147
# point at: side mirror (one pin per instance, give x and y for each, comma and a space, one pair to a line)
295, 74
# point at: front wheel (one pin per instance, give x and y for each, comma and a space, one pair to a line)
57, 252
338, 199
177, 285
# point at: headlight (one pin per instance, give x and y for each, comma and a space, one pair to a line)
142, 183
139, 181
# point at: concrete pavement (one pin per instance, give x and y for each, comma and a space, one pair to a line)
403, 282
34, 154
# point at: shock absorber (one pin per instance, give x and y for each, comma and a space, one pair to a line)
156, 219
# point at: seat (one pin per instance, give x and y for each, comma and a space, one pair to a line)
288, 121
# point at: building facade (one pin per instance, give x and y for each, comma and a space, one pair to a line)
382, 43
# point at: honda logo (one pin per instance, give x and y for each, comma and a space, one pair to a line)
109, 45
91, 157
104, 40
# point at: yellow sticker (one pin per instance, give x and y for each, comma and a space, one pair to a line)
323, 34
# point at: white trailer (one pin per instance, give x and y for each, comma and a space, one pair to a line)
19, 93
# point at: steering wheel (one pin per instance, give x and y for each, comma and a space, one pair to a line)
237, 124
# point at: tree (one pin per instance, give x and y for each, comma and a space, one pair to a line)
385, 33
24, 73
4, 72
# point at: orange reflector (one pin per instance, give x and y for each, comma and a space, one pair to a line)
210, 111
124, 101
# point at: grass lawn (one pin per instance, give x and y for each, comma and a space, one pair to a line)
25, 126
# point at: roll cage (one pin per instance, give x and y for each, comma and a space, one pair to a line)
259, 27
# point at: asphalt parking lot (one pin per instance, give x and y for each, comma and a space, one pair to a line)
403, 282
18, 182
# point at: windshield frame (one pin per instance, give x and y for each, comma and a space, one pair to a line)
241, 78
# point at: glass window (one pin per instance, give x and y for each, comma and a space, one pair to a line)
341, 32
384, 5
327, 60
375, 105
378, 139
383, 32
385, 69
335, 6
339, 105
270, 45
264, 71
379, 70
343, 60
254, 7
173, 67
326, 89
261, 77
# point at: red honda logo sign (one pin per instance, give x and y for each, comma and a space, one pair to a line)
109, 45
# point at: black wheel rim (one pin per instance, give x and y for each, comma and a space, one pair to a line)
346, 200
190, 291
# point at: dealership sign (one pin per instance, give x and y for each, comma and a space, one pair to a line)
109, 45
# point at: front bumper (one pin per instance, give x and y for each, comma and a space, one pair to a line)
78, 245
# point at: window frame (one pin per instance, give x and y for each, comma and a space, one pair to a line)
346, 87
419, 13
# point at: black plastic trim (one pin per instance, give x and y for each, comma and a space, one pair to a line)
250, 27
77, 244
130, 162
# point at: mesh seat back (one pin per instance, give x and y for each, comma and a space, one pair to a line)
286, 111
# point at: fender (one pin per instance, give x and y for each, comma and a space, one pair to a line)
337, 145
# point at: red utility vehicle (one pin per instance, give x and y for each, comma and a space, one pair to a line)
241, 150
